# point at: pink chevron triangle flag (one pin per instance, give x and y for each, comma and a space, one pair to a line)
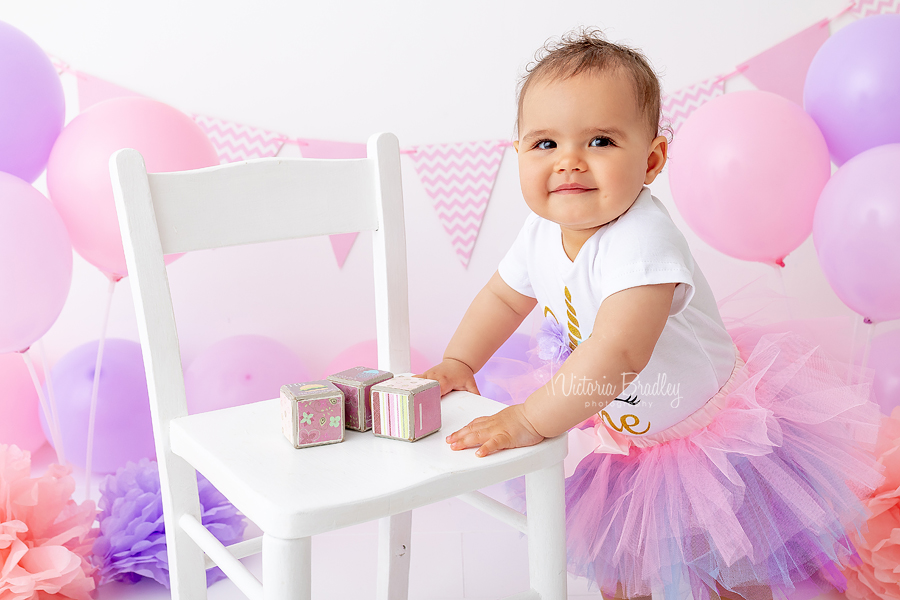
341, 243
864, 8
92, 90
678, 106
459, 178
782, 68
59, 64
310, 148
234, 142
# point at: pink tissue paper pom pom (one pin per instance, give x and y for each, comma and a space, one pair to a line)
877, 577
45, 536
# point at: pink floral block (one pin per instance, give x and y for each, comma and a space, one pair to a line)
312, 413
356, 383
406, 408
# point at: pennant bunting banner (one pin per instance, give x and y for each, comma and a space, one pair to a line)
92, 90
678, 106
864, 8
459, 179
234, 142
59, 64
341, 243
328, 149
782, 68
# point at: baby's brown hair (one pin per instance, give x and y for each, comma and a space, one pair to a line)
587, 50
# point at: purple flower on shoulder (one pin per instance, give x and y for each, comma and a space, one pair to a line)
552, 342
132, 540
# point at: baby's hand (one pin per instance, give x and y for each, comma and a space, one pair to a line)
452, 375
509, 428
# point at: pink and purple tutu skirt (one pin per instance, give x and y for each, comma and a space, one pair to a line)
754, 494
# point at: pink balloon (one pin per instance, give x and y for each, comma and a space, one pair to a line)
857, 233
78, 170
884, 357
746, 171
19, 405
35, 264
239, 370
365, 354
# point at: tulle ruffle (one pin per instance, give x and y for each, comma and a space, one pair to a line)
759, 501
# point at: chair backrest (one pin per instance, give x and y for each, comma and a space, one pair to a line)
255, 201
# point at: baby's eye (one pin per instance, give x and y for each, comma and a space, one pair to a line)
545, 145
601, 142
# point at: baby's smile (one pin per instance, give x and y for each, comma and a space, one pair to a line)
572, 188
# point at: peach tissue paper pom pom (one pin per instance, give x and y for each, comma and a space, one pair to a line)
45, 536
878, 575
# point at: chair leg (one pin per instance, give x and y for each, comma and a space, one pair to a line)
546, 504
187, 572
393, 557
287, 568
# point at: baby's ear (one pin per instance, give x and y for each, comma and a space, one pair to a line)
516, 146
656, 159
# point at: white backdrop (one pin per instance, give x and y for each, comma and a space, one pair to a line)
429, 71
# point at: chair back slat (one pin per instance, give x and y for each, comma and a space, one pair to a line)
255, 201
389, 258
262, 200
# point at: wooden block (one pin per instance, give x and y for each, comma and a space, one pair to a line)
312, 413
356, 383
406, 408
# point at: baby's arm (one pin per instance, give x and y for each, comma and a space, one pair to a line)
625, 333
493, 316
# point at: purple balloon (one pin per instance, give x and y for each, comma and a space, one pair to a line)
856, 231
852, 88
123, 430
514, 349
239, 370
884, 357
32, 105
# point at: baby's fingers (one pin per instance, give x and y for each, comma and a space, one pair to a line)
500, 441
473, 434
460, 433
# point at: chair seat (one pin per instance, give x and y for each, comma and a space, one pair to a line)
296, 493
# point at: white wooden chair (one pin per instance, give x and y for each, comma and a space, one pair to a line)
294, 494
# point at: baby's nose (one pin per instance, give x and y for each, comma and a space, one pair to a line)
569, 161
569, 165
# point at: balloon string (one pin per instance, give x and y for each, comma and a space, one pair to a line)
57, 442
853, 351
870, 330
95, 389
52, 395
787, 301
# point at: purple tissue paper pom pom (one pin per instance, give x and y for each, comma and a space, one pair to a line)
132, 540
552, 342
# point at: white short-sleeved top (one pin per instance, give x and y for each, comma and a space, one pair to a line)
694, 356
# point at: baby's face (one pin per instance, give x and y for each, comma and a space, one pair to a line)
584, 149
